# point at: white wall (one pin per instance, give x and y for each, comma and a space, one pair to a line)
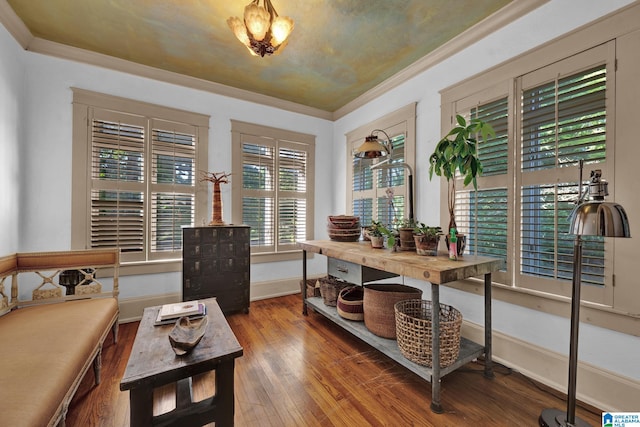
46, 176
551, 332
11, 102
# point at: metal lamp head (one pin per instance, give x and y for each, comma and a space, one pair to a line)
373, 147
597, 217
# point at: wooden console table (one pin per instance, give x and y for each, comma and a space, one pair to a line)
153, 363
437, 271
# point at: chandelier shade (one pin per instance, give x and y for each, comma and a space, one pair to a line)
262, 31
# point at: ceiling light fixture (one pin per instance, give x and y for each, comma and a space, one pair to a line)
263, 32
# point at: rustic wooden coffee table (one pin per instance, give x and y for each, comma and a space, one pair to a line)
153, 363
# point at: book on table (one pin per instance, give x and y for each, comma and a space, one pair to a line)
169, 313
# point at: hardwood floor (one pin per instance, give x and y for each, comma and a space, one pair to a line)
305, 371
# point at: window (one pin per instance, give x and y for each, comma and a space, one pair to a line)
382, 194
274, 194
140, 162
530, 179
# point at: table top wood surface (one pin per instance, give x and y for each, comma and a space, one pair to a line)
434, 269
153, 363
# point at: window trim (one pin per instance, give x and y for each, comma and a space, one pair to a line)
623, 315
83, 101
240, 128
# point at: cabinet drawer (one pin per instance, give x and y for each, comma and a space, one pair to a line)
355, 273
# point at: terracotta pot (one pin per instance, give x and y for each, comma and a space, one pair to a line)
377, 242
426, 245
407, 243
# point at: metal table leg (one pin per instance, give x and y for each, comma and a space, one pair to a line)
304, 282
488, 363
435, 349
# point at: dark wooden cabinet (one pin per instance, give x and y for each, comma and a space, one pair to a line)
216, 262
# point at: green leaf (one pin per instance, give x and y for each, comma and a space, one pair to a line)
461, 121
448, 153
474, 166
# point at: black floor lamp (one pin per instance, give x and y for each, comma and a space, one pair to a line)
589, 218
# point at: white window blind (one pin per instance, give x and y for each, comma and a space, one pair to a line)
259, 195
563, 121
545, 123
173, 180
276, 192
482, 215
142, 186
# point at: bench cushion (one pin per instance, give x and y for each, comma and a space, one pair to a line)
43, 349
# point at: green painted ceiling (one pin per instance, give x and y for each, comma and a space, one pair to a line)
339, 49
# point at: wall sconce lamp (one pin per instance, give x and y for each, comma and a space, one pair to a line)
374, 148
588, 218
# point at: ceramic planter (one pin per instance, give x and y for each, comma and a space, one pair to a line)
377, 242
426, 245
407, 242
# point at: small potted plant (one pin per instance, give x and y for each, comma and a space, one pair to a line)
457, 152
377, 234
426, 239
406, 229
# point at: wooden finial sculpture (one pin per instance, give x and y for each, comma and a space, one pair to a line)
216, 179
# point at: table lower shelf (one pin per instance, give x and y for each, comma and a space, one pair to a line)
469, 350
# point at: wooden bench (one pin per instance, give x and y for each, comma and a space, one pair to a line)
51, 334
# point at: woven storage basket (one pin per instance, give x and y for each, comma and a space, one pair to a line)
313, 287
413, 330
330, 287
349, 303
379, 302
343, 228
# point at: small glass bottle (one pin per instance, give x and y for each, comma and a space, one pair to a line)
453, 245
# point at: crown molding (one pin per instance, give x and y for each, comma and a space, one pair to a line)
58, 50
494, 22
504, 16
14, 25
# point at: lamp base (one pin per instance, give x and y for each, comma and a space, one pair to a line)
558, 418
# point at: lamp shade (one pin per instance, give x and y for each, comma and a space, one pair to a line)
598, 218
371, 148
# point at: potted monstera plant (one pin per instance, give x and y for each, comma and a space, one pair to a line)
457, 152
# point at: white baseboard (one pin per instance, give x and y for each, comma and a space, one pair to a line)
131, 308
597, 387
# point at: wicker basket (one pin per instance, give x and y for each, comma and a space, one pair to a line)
349, 303
379, 302
343, 228
330, 287
413, 330
313, 287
